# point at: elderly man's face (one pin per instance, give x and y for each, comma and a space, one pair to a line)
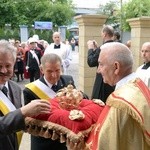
52, 72
145, 53
106, 68
6, 67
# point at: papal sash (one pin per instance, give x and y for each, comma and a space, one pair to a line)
41, 90
6, 106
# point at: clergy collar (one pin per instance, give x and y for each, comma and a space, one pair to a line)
56, 46
146, 65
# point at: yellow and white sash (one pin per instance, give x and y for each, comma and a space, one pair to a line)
6, 106
41, 90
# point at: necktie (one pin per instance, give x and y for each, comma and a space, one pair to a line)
54, 88
5, 90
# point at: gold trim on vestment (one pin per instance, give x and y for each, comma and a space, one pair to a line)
37, 91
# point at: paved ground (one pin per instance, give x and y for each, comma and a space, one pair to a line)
72, 70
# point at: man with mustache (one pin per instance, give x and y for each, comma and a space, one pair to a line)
12, 114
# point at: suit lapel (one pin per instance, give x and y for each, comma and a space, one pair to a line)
42, 80
14, 94
60, 84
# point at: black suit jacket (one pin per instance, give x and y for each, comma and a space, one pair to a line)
101, 90
63, 82
12, 122
30, 61
40, 143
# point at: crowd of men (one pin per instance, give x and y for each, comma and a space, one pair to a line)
124, 121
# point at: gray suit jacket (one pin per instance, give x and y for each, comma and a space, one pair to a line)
12, 122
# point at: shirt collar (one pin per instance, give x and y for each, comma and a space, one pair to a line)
6, 84
49, 84
125, 80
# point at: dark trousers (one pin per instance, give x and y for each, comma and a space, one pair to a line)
40, 143
34, 74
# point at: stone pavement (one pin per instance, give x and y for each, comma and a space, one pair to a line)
72, 70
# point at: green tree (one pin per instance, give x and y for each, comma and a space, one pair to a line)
19, 12
7, 12
110, 9
130, 9
134, 9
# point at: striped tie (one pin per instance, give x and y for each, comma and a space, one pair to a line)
5, 90
54, 88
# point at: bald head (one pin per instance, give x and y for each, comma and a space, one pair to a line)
56, 38
115, 62
118, 52
56, 33
146, 44
145, 52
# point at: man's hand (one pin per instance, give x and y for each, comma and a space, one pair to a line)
99, 102
36, 107
92, 44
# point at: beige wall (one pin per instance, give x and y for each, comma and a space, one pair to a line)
89, 29
140, 33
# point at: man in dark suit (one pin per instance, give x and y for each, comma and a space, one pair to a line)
46, 88
32, 60
12, 115
101, 90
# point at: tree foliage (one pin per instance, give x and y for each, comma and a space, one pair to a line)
134, 9
118, 15
111, 10
25, 12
